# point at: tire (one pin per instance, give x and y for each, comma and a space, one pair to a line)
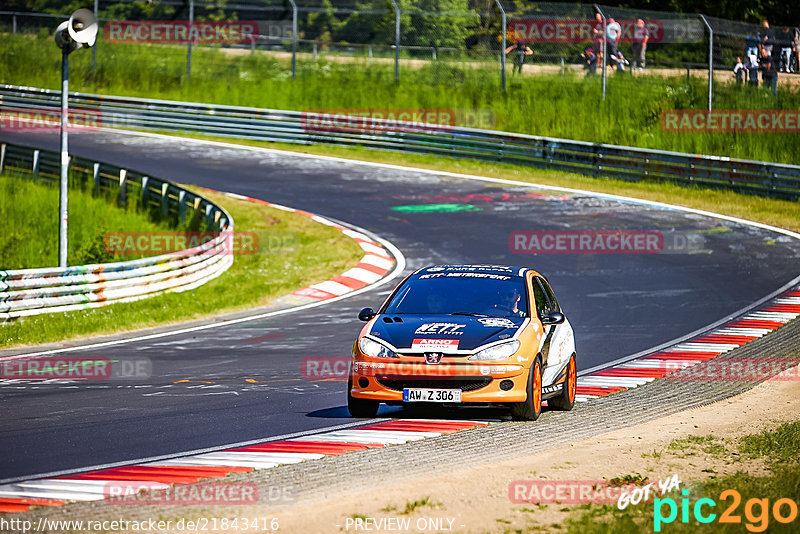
360, 407
566, 399
532, 407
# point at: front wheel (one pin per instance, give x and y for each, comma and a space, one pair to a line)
566, 399
360, 407
532, 407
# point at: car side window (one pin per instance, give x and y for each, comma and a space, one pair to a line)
551, 297
542, 306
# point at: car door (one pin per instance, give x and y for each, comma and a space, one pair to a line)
559, 343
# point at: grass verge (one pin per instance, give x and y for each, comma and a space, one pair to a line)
294, 251
29, 211
567, 106
750, 500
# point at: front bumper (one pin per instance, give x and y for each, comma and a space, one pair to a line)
385, 379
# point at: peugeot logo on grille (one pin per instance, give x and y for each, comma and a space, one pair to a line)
433, 357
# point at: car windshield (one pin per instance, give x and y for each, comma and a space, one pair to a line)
461, 296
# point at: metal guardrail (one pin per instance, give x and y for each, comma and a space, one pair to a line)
26, 292
595, 159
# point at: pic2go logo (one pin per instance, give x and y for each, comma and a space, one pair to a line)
756, 511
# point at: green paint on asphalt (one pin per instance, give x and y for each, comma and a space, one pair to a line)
436, 208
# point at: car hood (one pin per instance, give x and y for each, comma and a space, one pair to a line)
443, 332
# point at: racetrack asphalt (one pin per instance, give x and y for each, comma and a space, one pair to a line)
243, 382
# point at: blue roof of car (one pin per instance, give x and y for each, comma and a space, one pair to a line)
488, 269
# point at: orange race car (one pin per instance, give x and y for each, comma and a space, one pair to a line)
460, 334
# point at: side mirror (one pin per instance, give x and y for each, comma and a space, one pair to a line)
366, 314
553, 318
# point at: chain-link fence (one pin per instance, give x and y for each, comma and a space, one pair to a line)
500, 39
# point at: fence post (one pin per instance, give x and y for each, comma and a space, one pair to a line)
294, 37
504, 44
189, 41
710, 62
604, 51
396, 40
2, 157
14, 23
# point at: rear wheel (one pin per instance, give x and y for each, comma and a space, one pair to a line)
566, 399
532, 407
360, 407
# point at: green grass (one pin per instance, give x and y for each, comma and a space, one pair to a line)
560, 106
315, 253
778, 447
29, 211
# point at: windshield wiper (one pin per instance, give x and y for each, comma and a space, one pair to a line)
471, 314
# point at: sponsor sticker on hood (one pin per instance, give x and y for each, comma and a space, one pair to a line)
497, 322
438, 345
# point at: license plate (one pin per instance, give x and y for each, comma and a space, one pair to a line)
431, 395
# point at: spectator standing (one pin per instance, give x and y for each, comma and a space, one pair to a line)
640, 38
613, 33
597, 37
520, 51
751, 44
785, 41
739, 70
769, 71
767, 37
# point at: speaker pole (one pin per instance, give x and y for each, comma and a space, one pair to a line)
63, 200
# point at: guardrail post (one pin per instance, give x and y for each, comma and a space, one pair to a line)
35, 165
503, 45
181, 207
2, 157
145, 190
96, 176
294, 37
123, 187
164, 200
209, 211
396, 40
14, 24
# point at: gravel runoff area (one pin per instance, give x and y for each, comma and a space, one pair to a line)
316, 481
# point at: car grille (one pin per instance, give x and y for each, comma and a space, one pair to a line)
462, 383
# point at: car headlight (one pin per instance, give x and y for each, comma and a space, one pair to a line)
497, 352
374, 349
